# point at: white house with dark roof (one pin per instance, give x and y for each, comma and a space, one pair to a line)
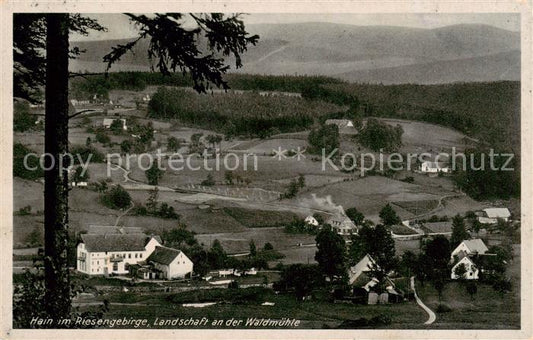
469, 248
110, 253
170, 263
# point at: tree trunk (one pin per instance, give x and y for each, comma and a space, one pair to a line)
57, 283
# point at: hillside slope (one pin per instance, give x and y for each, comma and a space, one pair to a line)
373, 54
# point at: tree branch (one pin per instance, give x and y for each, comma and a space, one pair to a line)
80, 112
84, 75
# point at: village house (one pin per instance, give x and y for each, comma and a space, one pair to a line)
363, 266
108, 121
311, 221
360, 277
469, 248
428, 167
345, 126
473, 257
491, 215
169, 263
471, 270
112, 253
75, 102
341, 123
342, 225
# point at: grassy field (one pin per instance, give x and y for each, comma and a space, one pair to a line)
238, 242
488, 310
266, 147
370, 194
260, 218
312, 313
425, 137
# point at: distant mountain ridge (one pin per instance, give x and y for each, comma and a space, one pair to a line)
375, 54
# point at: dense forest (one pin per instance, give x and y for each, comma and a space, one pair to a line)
487, 112
85, 87
247, 114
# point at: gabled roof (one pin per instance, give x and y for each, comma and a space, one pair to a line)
463, 260
497, 212
364, 265
476, 246
114, 242
107, 229
333, 220
163, 255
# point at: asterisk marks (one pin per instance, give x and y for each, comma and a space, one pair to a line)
299, 153
279, 153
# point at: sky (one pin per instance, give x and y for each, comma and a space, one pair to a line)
119, 27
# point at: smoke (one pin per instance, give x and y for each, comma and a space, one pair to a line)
323, 203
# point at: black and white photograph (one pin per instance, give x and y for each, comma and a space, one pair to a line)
187, 170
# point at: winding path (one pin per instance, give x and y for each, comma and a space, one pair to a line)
124, 213
440, 205
432, 316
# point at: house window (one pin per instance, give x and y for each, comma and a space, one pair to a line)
115, 266
136, 255
141, 255
129, 256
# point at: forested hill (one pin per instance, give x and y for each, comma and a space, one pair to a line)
374, 54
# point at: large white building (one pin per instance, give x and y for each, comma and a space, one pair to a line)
102, 254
